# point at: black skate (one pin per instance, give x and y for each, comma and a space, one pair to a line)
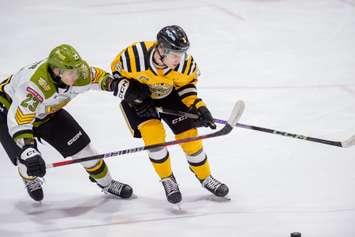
116, 188
34, 188
172, 192
214, 186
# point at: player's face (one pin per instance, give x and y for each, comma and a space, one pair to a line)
69, 76
173, 58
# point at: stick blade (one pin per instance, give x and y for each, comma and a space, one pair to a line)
237, 112
348, 142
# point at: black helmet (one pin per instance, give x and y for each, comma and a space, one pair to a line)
173, 38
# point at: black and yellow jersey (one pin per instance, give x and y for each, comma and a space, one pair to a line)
136, 62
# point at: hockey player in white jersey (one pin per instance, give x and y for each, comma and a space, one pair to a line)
31, 106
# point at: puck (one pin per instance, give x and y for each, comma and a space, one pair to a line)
296, 234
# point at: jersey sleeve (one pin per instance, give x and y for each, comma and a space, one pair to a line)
187, 89
121, 66
132, 60
22, 112
100, 79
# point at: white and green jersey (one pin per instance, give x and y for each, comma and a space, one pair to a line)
32, 94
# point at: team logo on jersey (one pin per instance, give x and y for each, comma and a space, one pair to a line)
143, 79
35, 94
160, 90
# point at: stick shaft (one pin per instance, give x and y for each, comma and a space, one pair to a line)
225, 130
256, 128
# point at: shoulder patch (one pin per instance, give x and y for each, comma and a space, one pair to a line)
118, 67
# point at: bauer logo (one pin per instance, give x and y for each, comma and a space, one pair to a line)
76, 137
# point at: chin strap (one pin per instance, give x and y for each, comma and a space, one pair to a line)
161, 58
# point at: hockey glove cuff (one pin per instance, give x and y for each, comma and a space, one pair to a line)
205, 118
31, 162
130, 90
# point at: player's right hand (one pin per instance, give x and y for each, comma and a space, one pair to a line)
146, 109
31, 161
130, 90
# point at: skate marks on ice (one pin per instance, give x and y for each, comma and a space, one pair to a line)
102, 211
49, 210
39, 217
142, 210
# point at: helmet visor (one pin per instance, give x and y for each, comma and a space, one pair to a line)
175, 54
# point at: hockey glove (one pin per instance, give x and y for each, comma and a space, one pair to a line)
130, 90
31, 161
205, 118
145, 109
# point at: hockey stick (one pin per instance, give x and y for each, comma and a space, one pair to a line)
232, 121
347, 143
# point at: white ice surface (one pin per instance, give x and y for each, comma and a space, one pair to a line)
291, 61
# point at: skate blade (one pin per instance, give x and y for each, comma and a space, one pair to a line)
37, 204
114, 197
177, 208
219, 199
134, 196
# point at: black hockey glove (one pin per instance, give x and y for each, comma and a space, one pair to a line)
130, 90
33, 162
205, 118
145, 109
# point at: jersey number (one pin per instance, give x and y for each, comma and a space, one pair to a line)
30, 102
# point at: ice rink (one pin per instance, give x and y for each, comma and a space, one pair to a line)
291, 61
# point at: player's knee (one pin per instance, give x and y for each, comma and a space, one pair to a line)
152, 132
190, 147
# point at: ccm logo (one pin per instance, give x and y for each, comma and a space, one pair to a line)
123, 86
31, 152
179, 119
76, 137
